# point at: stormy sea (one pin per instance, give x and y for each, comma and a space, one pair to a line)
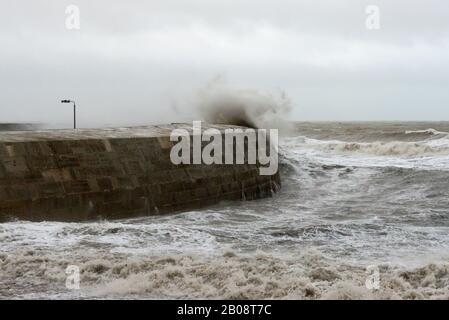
363, 213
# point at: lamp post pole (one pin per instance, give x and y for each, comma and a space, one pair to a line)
74, 111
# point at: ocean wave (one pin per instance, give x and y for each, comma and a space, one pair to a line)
392, 148
228, 276
429, 131
219, 103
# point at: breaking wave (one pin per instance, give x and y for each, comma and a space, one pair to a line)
380, 148
251, 108
427, 131
229, 276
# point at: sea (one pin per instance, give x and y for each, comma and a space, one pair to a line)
363, 213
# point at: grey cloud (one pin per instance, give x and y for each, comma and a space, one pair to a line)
132, 61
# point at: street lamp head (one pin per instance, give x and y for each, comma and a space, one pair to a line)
66, 101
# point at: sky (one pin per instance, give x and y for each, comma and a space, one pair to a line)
138, 62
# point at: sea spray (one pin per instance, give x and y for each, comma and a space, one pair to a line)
219, 103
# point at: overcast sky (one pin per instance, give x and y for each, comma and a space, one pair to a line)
139, 61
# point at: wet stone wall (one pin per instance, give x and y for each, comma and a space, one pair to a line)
95, 174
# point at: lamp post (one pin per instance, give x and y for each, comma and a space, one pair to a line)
74, 111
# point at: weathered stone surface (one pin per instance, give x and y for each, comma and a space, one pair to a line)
73, 175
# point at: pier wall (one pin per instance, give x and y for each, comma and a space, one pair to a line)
67, 175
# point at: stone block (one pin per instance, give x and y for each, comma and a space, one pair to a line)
15, 166
67, 161
59, 147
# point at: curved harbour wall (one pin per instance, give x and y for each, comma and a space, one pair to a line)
67, 175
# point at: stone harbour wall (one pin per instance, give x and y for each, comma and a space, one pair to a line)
76, 175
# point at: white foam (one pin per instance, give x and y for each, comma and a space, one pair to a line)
226, 276
429, 131
426, 155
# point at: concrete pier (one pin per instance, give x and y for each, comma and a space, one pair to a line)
85, 174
